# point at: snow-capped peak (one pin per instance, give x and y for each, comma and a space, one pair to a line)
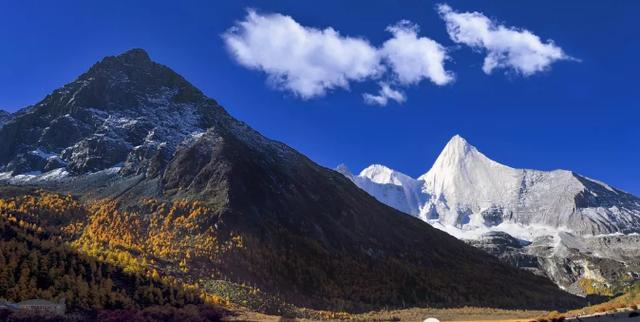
554, 216
466, 190
384, 175
462, 173
458, 154
457, 145
391, 187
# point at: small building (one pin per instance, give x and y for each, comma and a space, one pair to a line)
42, 306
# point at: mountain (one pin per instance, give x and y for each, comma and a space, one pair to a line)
4, 117
114, 114
168, 177
584, 221
391, 187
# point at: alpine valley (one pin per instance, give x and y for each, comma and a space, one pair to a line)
131, 165
578, 232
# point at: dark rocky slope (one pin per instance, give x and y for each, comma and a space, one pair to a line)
4, 117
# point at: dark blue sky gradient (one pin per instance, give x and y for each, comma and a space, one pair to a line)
581, 116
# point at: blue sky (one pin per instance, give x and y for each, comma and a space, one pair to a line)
582, 114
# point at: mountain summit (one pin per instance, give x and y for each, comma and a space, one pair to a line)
125, 111
460, 176
467, 194
455, 151
466, 188
136, 134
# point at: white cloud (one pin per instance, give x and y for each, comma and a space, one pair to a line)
308, 61
303, 60
506, 47
385, 94
413, 59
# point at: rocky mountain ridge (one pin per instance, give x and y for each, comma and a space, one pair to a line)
110, 116
4, 117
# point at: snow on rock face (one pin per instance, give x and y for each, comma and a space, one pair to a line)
383, 175
571, 227
467, 194
391, 187
125, 110
4, 117
469, 190
462, 182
